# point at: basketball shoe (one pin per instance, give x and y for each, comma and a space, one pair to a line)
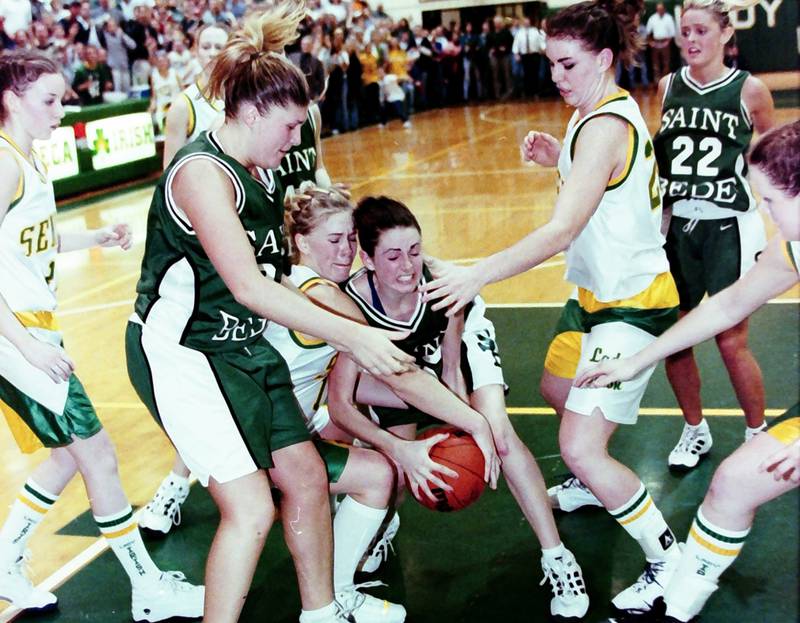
17, 589
695, 442
640, 596
571, 495
169, 595
164, 510
364, 608
380, 551
566, 581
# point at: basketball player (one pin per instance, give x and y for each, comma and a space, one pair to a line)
387, 292
192, 112
211, 277
769, 465
40, 396
709, 114
607, 218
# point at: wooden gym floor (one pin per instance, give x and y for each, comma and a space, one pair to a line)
459, 170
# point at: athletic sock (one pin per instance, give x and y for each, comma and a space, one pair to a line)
122, 534
709, 551
354, 527
325, 614
551, 554
749, 433
26, 514
644, 522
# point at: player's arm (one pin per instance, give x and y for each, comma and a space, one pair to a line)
176, 125
758, 99
600, 154
52, 360
771, 276
118, 235
452, 376
662, 88
210, 208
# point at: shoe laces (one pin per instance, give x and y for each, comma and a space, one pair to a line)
175, 580
384, 544
650, 575
573, 482
355, 598
165, 502
689, 439
564, 577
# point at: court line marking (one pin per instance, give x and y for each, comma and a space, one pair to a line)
73, 566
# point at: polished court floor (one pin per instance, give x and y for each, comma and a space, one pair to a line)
460, 171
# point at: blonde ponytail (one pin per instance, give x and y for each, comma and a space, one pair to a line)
251, 67
720, 9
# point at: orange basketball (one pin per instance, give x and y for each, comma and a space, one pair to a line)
460, 453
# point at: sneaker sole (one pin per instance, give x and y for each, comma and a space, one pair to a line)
682, 469
153, 535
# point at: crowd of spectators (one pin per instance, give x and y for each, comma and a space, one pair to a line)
362, 65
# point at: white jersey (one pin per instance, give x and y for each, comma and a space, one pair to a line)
202, 112
309, 359
619, 252
28, 241
28, 248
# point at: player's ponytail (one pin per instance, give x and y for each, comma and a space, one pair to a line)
252, 69
600, 25
306, 208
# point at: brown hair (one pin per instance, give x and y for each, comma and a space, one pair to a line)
601, 24
375, 215
306, 208
19, 69
251, 67
777, 155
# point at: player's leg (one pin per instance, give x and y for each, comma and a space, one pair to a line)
724, 519
246, 516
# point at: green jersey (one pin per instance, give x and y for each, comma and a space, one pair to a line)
700, 148
180, 293
300, 162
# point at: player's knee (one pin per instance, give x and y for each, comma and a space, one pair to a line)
253, 519
727, 483
380, 481
732, 342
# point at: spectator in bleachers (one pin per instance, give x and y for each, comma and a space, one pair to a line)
310, 66
118, 44
499, 42
18, 16
92, 79
164, 87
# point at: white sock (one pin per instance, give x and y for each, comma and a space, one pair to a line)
178, 480
26, 514
644, 522
354, 527
749, 433
122, 534
325, 614
703, 426
550, 554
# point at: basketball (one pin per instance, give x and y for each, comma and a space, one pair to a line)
460, 453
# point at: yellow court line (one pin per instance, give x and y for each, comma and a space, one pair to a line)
645, 411
83, 294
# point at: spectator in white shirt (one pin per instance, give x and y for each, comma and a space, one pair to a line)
660, 32
18, 15
527, 48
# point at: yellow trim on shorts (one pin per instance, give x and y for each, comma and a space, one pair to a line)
711, 547
26, 440
629, 157
563, 354
38, 320
123, 532
787, 432
34, 506
660, 294
637, 515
